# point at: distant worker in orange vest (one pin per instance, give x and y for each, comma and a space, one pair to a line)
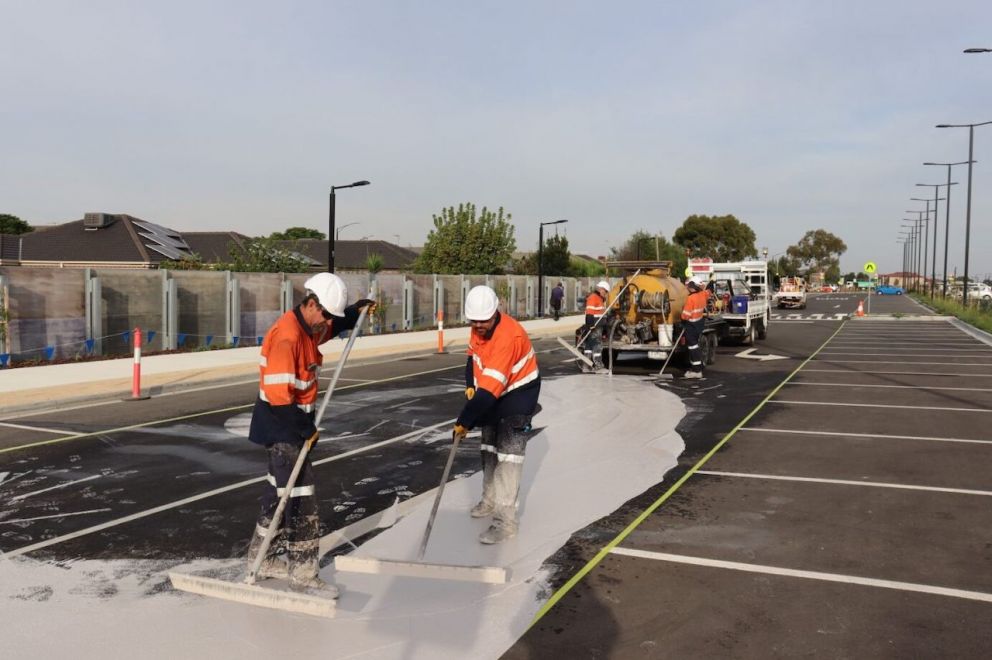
595, 309
283, 420
693, 322
502, 383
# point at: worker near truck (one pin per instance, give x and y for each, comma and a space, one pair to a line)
693, 323
595, 309
502, 384
283, 420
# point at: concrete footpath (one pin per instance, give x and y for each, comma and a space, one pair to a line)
36, 389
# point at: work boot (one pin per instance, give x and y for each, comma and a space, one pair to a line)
597, 362
482, 509
273, 568
314, 585
506, 485
693, 374
489, 460
498, 532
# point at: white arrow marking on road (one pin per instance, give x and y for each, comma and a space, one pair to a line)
836, 306
747, 355
3, 475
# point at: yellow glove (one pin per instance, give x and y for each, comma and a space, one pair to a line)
469, 393
460, 431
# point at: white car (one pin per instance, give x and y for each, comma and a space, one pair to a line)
983, 291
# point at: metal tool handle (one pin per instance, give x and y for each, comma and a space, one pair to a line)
298, 467
672, 352
455, 439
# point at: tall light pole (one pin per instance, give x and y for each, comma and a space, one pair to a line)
540, 264
909, 231
967, 215
933, 261
903, 241
331, 232
921, 249
337, 230
947, 217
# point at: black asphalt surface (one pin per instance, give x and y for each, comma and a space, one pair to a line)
770, 547
883, 481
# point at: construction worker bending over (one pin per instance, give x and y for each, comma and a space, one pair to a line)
502, 384
595, 309
283, 419
693, 322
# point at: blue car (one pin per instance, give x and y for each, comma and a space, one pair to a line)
889, 290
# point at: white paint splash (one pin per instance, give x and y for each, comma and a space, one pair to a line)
602, 441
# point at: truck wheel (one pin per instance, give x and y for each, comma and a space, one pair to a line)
710, 356
762, 329
748, 339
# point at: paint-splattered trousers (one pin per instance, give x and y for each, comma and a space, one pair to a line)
503, 447
693, 331
298, 535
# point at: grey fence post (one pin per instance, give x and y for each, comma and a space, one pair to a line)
512, 302
407, 303
464, 295
285, 295
5, 318
170, 313
438, 296
94, 310
232, 311
530, 297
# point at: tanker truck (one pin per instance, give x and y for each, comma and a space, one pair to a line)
644, 319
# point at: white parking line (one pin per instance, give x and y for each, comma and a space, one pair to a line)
202, 496
846, 482
57, 515
987, 356
35, 428
45, 490
894, 373
808, 575
755, 429
898, 387
944, 364
877, 405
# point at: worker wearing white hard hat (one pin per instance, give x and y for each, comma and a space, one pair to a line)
594, 324
502, 385
283, 419
694, 322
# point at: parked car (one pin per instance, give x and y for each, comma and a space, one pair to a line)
889, 290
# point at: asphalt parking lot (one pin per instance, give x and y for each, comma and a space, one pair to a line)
847, 516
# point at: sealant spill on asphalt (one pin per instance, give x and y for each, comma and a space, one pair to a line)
591, 456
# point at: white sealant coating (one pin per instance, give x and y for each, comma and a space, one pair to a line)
602, 441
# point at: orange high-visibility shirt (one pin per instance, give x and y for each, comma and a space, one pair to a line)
695, 306
289, 363
595, 304
505, 361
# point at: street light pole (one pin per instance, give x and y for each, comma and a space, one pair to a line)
331, 232
910, 231
947, 216
540, 264
933, 261
921, 251
967, 214
337, 231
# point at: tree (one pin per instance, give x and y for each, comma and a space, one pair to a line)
643, 246
721, 238
194, 262
294, 233
261, 255
11, 224
817, 251
555, 260
467, 242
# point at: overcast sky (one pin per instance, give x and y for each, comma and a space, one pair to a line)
618, 116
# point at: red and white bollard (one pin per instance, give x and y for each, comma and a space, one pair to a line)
136, 372
440, 332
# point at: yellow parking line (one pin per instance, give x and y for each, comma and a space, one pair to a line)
558, 595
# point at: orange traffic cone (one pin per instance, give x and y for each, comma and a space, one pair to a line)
861, 308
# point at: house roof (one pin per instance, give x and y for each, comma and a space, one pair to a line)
10, 247
351, 255
214, 246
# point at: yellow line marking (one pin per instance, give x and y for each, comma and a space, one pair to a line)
592, 563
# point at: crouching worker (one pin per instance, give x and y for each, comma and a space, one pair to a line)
283, 420
502, 385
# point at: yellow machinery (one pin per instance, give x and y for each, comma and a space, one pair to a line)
648, 303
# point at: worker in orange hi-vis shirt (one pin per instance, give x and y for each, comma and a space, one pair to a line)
595, 309
502, 384
283, 419
693, 322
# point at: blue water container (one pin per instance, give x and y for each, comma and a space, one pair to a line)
739, 304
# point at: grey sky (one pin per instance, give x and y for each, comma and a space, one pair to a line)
632, 115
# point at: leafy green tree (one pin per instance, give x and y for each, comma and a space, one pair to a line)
468, 242
719, 237
585, 268
294, 233
194, 262
817, 251
11, 224
643, 246
555, 260
261, 255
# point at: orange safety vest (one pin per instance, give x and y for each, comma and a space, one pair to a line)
505, 361
289, 363
595, 304
695, 306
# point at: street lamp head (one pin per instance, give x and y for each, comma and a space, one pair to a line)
978, 50
361, 183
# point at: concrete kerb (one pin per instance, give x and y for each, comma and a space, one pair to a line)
51, 387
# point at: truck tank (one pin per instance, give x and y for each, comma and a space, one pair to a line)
648, 303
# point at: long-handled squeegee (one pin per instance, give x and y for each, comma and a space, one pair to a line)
420, 568
247, 591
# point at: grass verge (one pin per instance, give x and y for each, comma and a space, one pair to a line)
980, 317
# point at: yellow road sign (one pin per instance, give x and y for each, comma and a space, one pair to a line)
870, 267
688, 271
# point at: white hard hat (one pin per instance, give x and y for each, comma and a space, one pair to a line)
698, 280
331, 292
481, 303
603, 284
